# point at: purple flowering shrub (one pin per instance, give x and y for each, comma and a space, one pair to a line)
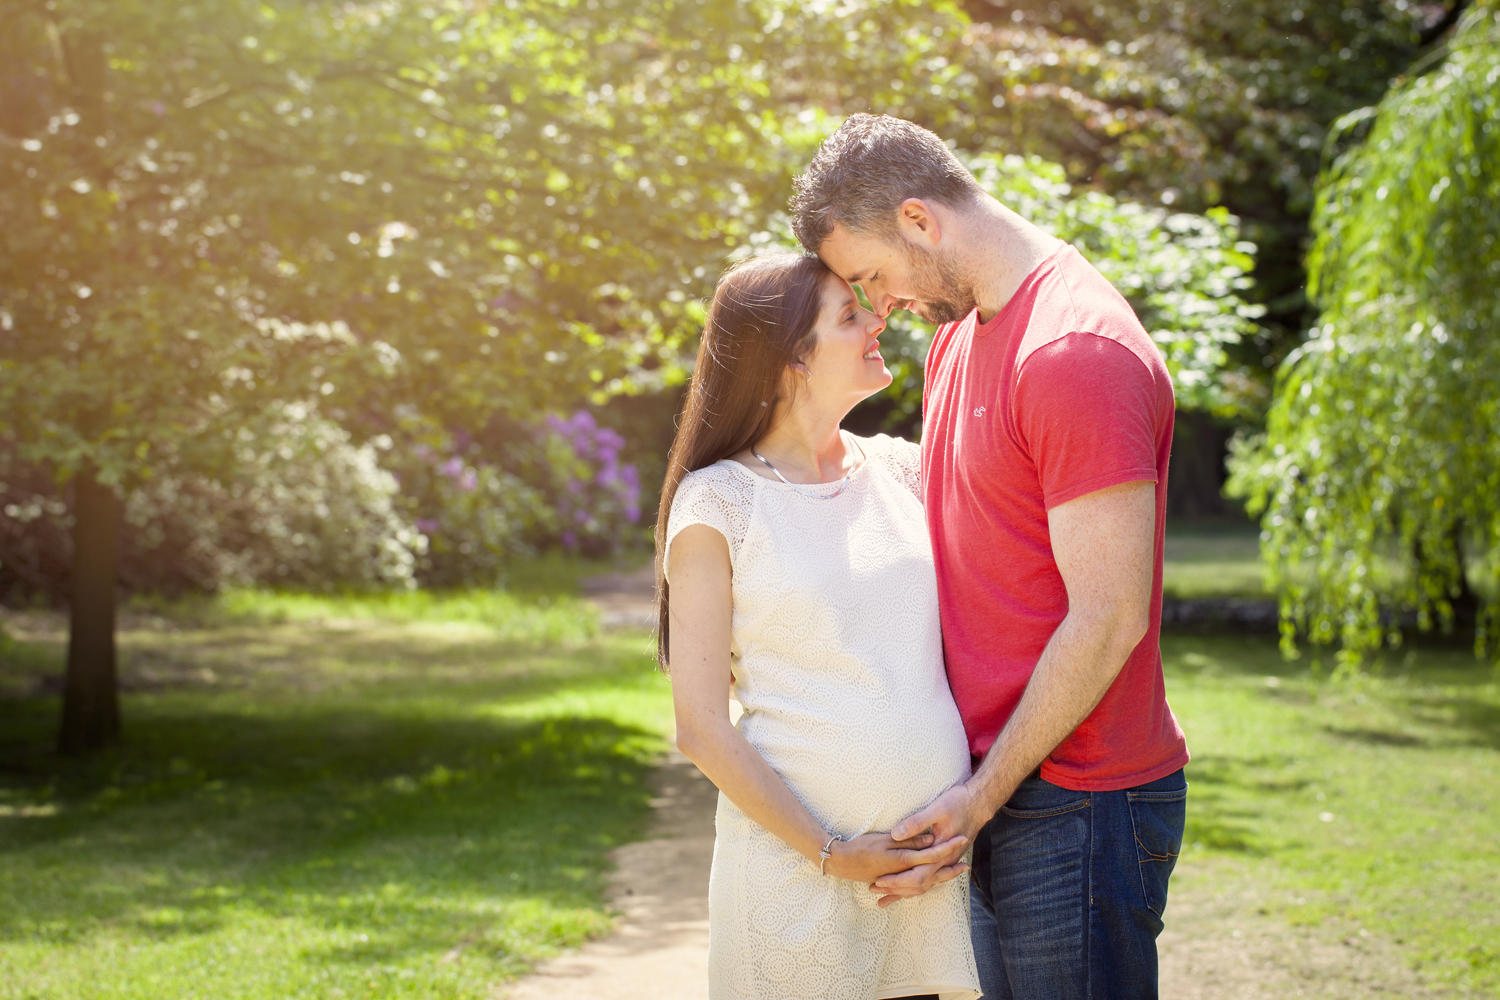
512, 491
474, 513
594, 495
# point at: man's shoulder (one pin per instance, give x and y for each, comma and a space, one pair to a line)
1082, 306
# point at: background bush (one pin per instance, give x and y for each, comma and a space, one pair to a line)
305, 506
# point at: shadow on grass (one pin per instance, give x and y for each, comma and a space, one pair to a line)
1225, 804
420, 828
1377, 737
1476, 719
1441, 698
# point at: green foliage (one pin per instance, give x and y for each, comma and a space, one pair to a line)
1384, 440
406, 218
456, 208
217, 206
1191, 105
414, 218
1190, 100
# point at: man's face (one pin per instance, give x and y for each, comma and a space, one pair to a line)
895, 274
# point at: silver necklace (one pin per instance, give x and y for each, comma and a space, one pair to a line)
816, 496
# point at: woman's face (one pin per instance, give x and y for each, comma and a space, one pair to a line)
846, 365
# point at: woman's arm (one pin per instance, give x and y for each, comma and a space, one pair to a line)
698, 651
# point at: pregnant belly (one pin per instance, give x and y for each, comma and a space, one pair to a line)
866, 773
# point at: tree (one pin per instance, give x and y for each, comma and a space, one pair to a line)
1378, 479
404, 215
1186, 104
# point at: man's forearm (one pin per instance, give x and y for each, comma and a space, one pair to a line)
1079, 664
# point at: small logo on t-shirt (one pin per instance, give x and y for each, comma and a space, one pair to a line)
978, 411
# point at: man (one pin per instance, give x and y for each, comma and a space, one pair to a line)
1047, 426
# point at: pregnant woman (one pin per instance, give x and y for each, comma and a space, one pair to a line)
794, 569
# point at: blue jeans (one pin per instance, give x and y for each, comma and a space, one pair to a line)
1069, 889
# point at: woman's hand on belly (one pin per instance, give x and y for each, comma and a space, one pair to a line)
874, 855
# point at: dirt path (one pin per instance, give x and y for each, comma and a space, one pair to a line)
624, 599
660, 949
1220, 943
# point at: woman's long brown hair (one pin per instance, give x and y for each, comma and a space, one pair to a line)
761, 320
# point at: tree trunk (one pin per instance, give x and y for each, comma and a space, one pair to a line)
91, 695
1465, 602
1461, 597
1195, 486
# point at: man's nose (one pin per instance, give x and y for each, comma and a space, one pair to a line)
885, 306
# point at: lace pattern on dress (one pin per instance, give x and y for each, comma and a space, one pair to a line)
902, 459
837, 659
714, 496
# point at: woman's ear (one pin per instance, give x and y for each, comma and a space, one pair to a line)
800, 370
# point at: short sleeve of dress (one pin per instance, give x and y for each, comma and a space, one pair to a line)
714, 496
901, 457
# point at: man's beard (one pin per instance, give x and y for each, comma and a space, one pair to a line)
942, 293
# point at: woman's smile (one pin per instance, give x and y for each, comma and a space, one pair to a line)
873, 354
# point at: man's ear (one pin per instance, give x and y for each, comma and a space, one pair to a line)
918, 222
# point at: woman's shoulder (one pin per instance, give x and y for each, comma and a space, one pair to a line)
719, 483
900, 457
890, 448
718, 496
719, 475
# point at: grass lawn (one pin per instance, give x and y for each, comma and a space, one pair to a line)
1374, 800
1213, 558
370, 801
415, 797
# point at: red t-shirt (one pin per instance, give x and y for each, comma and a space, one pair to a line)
1060, 394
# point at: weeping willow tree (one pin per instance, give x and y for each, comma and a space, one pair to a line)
1378, 476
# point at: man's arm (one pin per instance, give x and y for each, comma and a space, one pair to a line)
1104, 545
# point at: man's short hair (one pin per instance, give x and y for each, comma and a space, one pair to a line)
864, 171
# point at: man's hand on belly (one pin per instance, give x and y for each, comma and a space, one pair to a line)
953, 817
873, 855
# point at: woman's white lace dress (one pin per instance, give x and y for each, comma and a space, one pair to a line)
838, 661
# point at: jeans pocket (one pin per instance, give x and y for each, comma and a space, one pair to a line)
1047, 813
1041, 799
1157, 816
